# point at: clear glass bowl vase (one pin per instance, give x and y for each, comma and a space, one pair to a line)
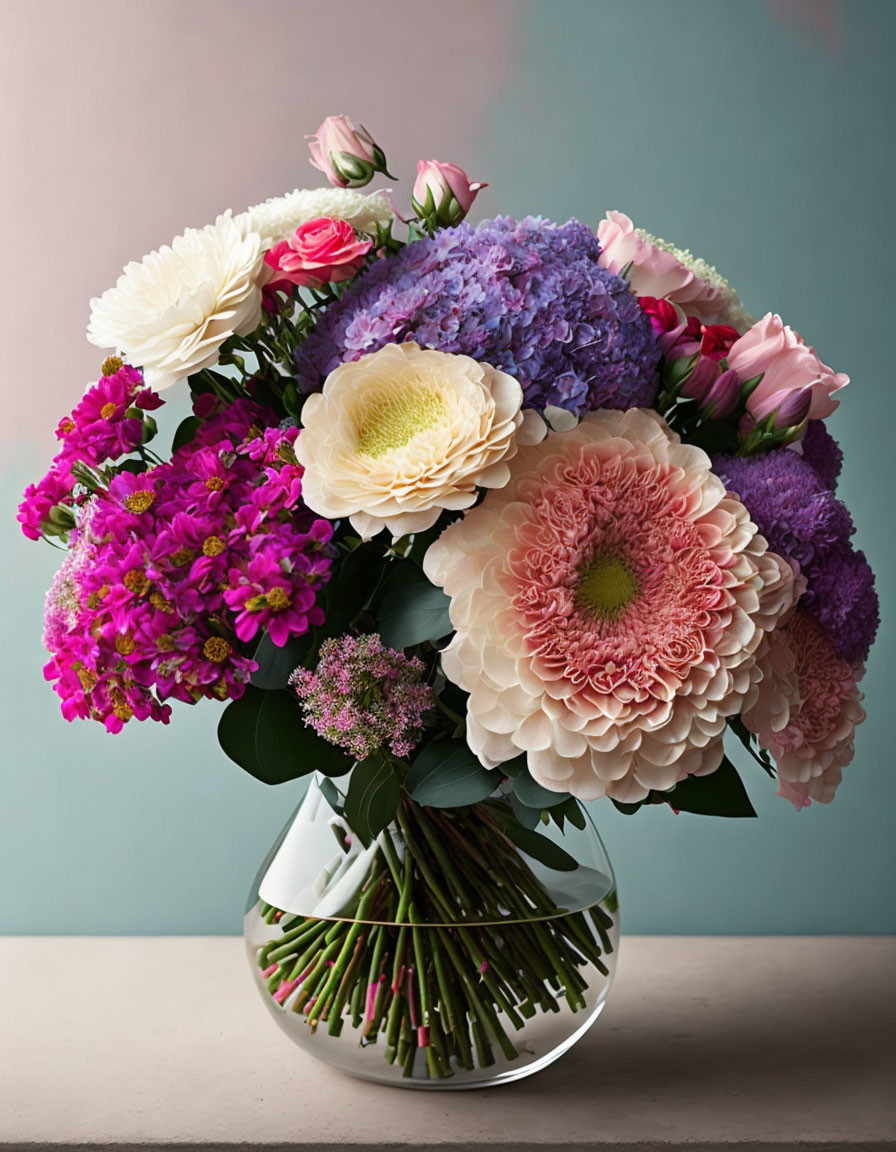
451, 952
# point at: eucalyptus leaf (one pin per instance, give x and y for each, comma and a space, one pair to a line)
373, 796
446, 774
528, 817
533, 795
276, 665
540, 848
413, 615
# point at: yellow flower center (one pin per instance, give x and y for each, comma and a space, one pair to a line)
607, 587
160, 604
85, 676
124, 645
111, 365
66, 426
216, 649
213, 546
165, 642
136, 581
120, 706
278, 599
389, 421
95, 598
140, 500
214, 483
108, 410
182, 556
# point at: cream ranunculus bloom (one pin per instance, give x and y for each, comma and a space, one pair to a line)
276, 219
403, 433
171, 312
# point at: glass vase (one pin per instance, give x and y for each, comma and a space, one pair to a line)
450, 952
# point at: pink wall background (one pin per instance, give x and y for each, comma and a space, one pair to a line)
124, 121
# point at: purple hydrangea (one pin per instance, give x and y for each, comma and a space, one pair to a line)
527, 297
823, 452
789, 502
842, 598
795, 509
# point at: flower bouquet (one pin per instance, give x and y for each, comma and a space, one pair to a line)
470, 524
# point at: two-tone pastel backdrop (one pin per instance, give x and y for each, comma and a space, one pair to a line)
757, 133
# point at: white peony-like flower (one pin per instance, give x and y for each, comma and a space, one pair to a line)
171, 312
276, 219
403, 433
608, 604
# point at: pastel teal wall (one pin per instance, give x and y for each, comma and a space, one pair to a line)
757, 134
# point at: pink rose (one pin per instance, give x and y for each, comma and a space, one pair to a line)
792, 374
320, 251
443, 192
348, 156
652, 271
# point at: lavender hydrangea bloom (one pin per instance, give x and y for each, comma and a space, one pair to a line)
527, 297
795, 509
841, 597
789, 503
823, 452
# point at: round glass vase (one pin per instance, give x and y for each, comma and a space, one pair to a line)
458, 949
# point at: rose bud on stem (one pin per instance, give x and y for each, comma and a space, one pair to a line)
348, 156
443, 194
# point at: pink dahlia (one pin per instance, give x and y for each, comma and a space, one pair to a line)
807, 709
608, 604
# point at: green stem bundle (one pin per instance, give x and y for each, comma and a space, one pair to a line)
451, 945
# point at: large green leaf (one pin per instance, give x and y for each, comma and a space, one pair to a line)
413, 615
533, 795
722, 793
276, 665
446, 774
373, 797
186, 431
540, 848
265, 733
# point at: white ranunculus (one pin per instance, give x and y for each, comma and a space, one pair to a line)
278, 218
171, 312
403, 433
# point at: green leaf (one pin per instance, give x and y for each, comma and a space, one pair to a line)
628, 809
528, 817
722, 793
373, 796
276, 665
541, 848
412, 615
265, 733
752, 745
573, 811
446, 774
332, 795
351, 587
533, 795
185, 432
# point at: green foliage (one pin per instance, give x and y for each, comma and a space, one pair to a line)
373, 796
721, 793
413, 615
265, 733
276, 665
185, 432
540, 848
446, 774
533, 795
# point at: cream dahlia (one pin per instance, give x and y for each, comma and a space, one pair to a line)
806, 710
171, 312
608, 602
403, 433
276, 219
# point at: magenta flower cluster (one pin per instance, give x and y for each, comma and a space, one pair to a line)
108, 423
172, 570
364, 696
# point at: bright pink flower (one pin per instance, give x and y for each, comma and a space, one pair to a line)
320, 251
787, 365
443, 191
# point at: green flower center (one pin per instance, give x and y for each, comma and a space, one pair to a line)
391, 421
608, 586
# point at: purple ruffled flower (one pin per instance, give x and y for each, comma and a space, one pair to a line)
842, 598
527, 297
821, 450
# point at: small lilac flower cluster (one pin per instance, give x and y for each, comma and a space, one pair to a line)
790, 498
363, 696
106, 424
527, 297
172, 567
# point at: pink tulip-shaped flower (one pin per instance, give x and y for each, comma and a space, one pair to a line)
348, 156
443, 193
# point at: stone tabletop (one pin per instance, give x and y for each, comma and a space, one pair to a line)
710, 1043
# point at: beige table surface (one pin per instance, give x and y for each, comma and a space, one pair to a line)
761, 1043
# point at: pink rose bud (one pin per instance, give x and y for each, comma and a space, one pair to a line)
784, 409
320, 251
771, 348
348, 156
722, 398
443, 193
